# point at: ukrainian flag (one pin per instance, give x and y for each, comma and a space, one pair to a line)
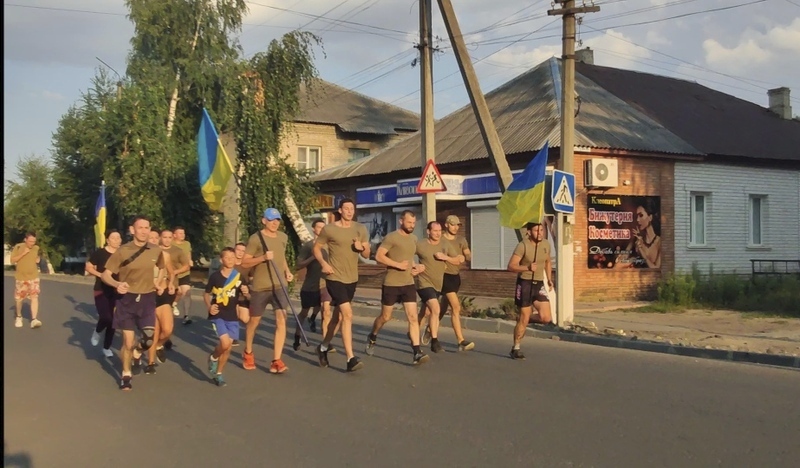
215, 167
523, 201
100, 218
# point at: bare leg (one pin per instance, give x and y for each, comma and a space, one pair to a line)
522, 324
280, 334
223, 352
126, 352
451, 299
384, 317
433, 306
542, 314
413, 321
250, 334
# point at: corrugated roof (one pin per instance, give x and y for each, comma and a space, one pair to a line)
526, 114
353, 112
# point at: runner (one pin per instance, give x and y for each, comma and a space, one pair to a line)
224, 290
243, 305
105, 297
168, 285
397, 253
531, 262
313, 293
133, 264
434, 254
345, 240
183, 299
26, 257
267, 263
451, 283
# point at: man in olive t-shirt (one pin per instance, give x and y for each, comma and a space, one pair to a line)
396, 252
25, 256
183, 299
345, 240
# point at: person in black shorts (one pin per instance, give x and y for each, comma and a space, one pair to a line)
396, 252
105, 297
531, 262
314, 295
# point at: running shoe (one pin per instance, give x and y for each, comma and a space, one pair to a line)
312, 325
466, 345
517, 354
18, 322
278, 367
248, 361
420, 358
236, 343
150, 369
219, 380
108, 353
212, 365
354, 364
161, 355
426, 336
125, 384
95, 338
187, 320
175, 311
296, 344
323, 356
36, 323
436, 347
370, 347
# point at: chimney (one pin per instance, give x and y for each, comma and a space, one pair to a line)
779, 102
587, 56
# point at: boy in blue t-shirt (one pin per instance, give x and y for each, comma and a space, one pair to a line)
224, 290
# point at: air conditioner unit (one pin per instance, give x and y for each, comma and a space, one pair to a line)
601, 173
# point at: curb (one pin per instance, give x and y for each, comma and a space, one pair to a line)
507, 328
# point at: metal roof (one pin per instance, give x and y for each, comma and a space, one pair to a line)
352, 112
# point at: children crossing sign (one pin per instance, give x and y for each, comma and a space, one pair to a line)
562, 193
431, 180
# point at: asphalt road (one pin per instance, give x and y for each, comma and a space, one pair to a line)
566, 405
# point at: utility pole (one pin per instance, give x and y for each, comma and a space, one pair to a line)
485, 123
426, 100
565, 257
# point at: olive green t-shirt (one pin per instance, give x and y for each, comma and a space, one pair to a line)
314, 280
342, 256
138, 273
460, 245
186, 247
527, 251
265, 274
433, 275
177, 257
399, 247
27, 267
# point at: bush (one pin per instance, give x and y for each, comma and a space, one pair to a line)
677, 290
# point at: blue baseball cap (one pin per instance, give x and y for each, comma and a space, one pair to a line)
271, 214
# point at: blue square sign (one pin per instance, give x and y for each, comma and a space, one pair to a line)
562, 193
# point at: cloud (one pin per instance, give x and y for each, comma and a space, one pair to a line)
753, 48
735, 59
48, 95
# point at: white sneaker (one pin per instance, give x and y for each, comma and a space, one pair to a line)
175, 310
108, 353
95, 338
18, 322
36, 323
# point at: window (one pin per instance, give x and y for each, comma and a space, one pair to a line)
756, 207
308, 158
358, 153
698, 219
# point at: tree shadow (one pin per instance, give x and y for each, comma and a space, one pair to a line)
81, 333
83, 307
16, 460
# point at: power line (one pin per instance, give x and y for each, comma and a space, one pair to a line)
70, 10
320, 17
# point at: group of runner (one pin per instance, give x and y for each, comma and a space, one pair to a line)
140, 286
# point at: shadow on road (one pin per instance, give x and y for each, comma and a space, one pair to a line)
16, 460
81, 334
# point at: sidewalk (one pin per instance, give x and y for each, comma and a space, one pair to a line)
718, 334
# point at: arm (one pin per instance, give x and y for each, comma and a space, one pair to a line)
548, 271
513, 265
186, 267
317, 251
467, 254
20, 253
92, 270
249, 261
380, 257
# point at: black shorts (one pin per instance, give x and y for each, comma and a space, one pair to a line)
426, 294
309, 299
185, 281
165, 298
341, 293
391, 295
528, 291
135, 311
451, 283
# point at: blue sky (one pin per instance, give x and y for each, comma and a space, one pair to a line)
49, 53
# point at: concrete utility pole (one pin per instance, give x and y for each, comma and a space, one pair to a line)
485, 123
426, 99
565, 257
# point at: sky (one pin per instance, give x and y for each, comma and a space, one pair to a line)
53, 48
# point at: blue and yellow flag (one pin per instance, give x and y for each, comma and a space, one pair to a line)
100, 218
221, 295
523, 201
215, 167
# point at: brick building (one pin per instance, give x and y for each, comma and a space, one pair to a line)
336, 126
652, 158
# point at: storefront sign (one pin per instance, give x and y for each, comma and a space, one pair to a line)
624, 231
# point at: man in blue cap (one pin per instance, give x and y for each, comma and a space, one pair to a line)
266, 255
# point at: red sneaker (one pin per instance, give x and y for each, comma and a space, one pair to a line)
278, 367
248, 361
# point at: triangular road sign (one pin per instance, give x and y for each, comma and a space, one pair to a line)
431, 180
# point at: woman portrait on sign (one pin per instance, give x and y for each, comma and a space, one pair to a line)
644, 250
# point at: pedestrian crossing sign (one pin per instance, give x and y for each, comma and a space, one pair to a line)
562, 192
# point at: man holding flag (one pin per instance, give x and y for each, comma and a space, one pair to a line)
522, 204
